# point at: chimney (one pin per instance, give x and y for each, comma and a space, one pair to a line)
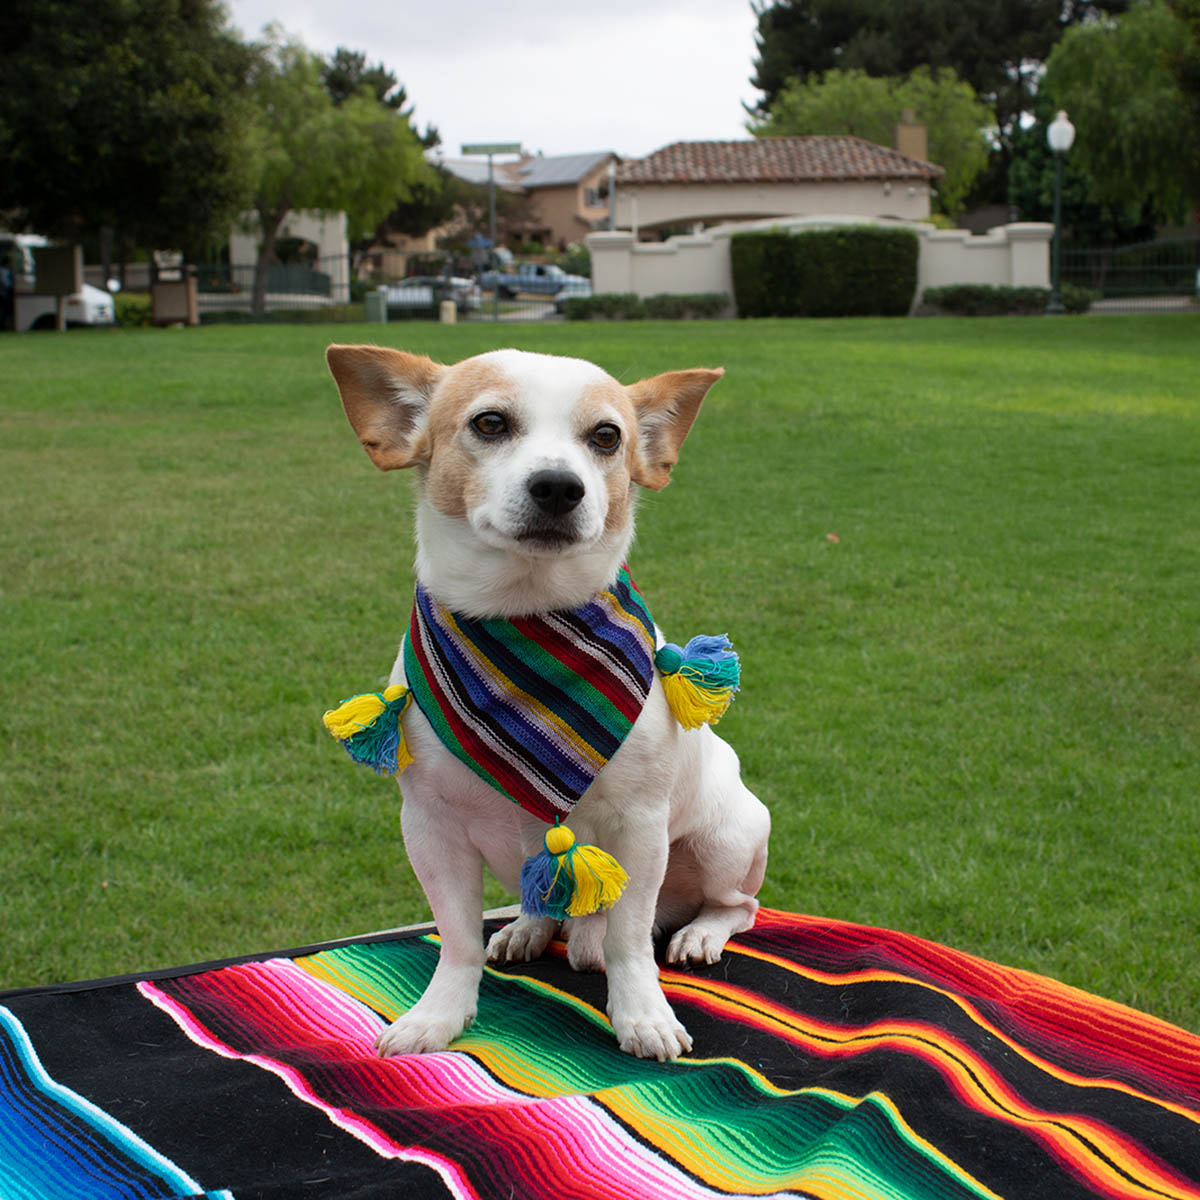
909, 138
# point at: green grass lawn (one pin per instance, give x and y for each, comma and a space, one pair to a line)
975, 715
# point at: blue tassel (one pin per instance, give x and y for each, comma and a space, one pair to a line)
699, 678
569, 878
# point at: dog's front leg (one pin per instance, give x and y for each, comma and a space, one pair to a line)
450, 870
643, 1021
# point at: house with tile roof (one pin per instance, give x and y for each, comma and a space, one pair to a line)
568, 194
694, 184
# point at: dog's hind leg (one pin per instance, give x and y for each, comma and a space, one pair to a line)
730, 867
521, 940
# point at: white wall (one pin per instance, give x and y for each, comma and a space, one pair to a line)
326, 230
1015, 255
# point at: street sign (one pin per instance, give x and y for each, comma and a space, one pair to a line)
492, 148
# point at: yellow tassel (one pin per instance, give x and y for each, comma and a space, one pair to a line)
570, 879
599, 880
368, 726
692, 703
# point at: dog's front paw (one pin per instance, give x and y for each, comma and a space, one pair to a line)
417, 1033
652, 1035
521, 940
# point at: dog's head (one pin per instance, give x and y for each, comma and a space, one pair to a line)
537, 455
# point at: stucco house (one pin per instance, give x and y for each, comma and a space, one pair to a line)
688, 185
569, 194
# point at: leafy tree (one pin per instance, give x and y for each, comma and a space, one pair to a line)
1136, 138
853, 102
1086, 220
997, 46
346, 74
124, 118
358, 156
432, 194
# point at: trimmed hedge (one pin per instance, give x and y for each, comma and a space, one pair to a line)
983, 300
626, 306
669, 307
856, 271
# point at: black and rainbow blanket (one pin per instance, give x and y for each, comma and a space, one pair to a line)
831, 1060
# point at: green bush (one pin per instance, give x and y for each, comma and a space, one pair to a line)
617, 306
856, 271
611, 306
132, 309
666, 306
1078, 299
986, 300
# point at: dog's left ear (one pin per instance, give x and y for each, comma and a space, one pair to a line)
666, 407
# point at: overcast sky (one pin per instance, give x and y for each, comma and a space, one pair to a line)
559, 76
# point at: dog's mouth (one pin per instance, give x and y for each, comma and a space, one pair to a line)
548, 535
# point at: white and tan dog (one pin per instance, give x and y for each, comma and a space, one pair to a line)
528, 469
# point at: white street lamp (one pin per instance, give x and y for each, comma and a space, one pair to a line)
1060, 136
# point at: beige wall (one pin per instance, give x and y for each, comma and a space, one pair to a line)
643, 206
1015, 255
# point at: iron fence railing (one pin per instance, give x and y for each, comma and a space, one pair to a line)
226, 291
1163, 274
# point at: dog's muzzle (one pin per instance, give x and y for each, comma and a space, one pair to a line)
553, 496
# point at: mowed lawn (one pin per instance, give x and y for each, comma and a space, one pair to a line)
959, 559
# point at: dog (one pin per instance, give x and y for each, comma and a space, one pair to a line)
528, 468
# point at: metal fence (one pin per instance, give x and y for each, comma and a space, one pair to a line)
1159, 276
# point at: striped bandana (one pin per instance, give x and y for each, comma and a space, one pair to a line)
536, 706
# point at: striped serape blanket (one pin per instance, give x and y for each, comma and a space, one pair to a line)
831, 1060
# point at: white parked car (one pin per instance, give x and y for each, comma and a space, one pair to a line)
426, 291
91, 306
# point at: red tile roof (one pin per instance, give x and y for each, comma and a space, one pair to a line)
774, 160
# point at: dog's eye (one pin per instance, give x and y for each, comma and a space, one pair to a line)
606, 437
490, 424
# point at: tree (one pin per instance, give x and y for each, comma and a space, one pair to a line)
1086, 220
346, 74
997, 46
853, 102
122, 118
1137, 138
432, 193
357, 156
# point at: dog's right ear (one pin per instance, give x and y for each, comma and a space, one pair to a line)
386, 395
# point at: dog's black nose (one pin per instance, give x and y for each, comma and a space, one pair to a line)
555, 492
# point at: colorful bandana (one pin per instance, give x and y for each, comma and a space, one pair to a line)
535, 706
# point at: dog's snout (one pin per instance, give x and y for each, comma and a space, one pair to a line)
555, 492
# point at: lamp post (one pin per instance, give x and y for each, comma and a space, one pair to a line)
1059, 136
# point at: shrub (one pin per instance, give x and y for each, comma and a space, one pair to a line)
1078, 299
616, 306
666, 306
855, 271
132, 309
612, 306
986, 300
577, 260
